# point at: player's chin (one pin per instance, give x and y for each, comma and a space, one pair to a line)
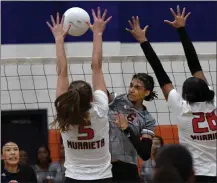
132, 98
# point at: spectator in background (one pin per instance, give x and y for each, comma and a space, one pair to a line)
57, 169
23, 158
11, 169
43, 161
177, 156
147, 168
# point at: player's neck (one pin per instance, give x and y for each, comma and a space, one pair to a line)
138, 105
11, 168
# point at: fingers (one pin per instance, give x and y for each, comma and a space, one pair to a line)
145, 28
52, 20
173, 13
128, 30
168, 22
108, 19
94, 14
98, 13
49, 25
131, 25
178, 11
134, 21
104, 14
137, 22
183, 13
186, 17
58, 18
62, 19
67, 30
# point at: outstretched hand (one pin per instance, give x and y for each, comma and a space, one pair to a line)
100, 22
138, 33
180, 18
57, 27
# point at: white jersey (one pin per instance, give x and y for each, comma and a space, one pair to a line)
197, 131
87, 155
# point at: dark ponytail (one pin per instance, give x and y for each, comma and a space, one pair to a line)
151, 96
210, 95
197, 90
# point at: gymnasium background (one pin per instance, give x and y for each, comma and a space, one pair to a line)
25, 34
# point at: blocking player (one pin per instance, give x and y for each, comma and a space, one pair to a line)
195, 108
81, 113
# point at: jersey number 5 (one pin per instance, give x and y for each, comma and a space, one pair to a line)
209, 117
85, 130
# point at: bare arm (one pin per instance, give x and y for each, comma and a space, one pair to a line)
62, 69
98, 28
59, 34
190, 52
154, 61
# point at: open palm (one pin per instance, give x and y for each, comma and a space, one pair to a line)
179, 18
138, 33
57, 27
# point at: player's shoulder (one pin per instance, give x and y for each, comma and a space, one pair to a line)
119, 99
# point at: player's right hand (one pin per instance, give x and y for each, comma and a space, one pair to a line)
179, 19
138, 33
57, 27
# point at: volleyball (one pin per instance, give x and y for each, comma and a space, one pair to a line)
77, 18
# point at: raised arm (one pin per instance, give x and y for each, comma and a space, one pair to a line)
140, 36
98, 28
59, 34
190, 52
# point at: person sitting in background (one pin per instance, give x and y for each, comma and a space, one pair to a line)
11, 169
57, 169
23, 158
147, 168
43, 161
177, 156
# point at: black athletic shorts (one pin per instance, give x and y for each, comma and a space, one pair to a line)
125, 172
69, 180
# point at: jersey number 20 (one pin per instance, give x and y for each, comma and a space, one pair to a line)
85, 130
209, 117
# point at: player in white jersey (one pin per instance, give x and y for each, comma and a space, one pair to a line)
81, 113
196, 108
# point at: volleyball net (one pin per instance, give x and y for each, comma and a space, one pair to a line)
30, 83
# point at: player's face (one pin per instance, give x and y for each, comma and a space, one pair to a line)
155, 145
11, 153
137, 91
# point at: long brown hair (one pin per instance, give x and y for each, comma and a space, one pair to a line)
72, 106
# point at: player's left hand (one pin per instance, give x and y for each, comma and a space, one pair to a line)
138, 33
121, 122
180, 19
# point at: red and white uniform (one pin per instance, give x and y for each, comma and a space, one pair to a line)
197, 131
87, 155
